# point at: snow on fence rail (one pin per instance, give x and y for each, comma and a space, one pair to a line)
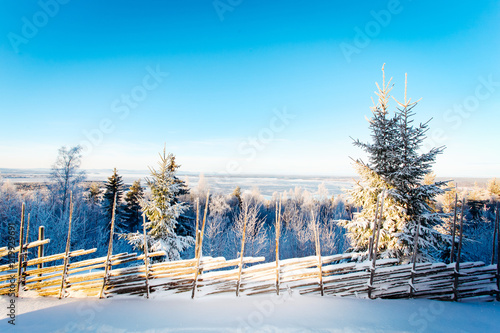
336, 275
477, 281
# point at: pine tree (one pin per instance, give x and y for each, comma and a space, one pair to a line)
132, 214
396, 166
162, 213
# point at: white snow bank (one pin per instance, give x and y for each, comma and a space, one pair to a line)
227, 313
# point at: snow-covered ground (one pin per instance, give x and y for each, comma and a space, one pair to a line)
227, 313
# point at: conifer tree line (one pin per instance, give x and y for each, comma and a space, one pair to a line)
396, 173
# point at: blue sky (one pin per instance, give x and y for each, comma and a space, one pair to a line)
243, 86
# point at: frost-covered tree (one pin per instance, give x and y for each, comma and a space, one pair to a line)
255, 235
94, 194
397, 166
214, 240
494, 187
237, 195
66, 176
162, 213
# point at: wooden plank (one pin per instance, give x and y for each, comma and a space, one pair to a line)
197, 235
146, 254
375, 226
277, 230
498, 255
375, 246
241, 254
4, 251
41, 252
110, 249
68, 245
21, 249
318, 252
199, 253
453, 229
457, 264
415, 252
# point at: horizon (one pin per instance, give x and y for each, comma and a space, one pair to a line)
221, 174
255, 88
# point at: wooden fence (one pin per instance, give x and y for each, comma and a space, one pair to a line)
337, 275
476, 281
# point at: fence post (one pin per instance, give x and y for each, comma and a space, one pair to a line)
146, 254
498, 256
241, 254
457, 264
68, 245
196, 234
278, 229
41, 237
375, 247
415, 252
198, 253
453, 230
370, 246
318, 252
110, 249
495, 232
20, 254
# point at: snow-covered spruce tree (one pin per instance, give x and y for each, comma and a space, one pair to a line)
184, 223
397, 166
162, 213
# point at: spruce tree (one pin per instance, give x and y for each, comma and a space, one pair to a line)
162, 213
396, 166
184, 225
113, 187
133, 208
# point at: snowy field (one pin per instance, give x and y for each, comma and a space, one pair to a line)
227, 313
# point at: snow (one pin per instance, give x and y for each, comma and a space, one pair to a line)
228, 313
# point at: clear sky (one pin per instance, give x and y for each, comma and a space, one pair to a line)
242, 86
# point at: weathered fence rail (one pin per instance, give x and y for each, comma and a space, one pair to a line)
477, 281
